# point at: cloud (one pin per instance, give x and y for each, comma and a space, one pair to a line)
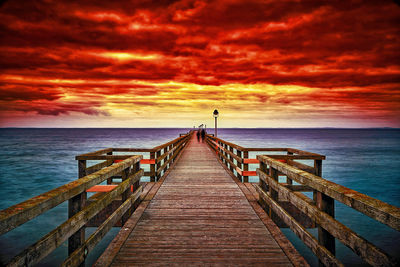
63, 52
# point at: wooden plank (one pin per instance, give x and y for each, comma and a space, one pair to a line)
199, 209
98, 152
55, 238
79, 255
366, 250
251, 161
148, 161
279, 237
29, 209
120, 149
374, 208
98, 166
112, 250
321, 252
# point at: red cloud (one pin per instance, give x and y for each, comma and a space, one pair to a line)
314, 44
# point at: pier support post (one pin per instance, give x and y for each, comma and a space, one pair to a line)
75, 205
158, 165
239, 164
125, 195
109, 180
152, 168
231, 158
290, 162
273, 193
318, 172
245, 166
326, 204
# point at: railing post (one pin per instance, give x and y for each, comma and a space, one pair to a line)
239, 164
318, 172
226, 154
76, 204
289, 161
264, 168
152, 168
245, 166
273, 193
109, 180
158, 165
165, 150
231, 158
264, 187
126, 194
136, 185
326, 204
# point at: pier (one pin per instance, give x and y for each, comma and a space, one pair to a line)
199, 208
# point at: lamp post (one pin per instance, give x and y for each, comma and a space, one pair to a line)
215, 114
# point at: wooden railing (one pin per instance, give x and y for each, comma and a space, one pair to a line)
81, 210
159, 158
236, 157
286, 204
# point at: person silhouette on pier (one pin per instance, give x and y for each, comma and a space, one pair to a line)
203, 135
198, 135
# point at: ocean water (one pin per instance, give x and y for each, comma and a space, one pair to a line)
34, 161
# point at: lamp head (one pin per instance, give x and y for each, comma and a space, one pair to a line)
215, 113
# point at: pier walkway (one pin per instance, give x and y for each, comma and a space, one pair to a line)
199, 209
199, 216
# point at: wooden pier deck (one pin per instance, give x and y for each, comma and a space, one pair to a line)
199, 216
199, 208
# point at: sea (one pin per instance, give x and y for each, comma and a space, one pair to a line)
33, 161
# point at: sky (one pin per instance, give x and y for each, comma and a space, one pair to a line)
161, 63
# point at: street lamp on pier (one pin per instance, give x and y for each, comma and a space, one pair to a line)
215, 114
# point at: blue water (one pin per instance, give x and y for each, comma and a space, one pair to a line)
34, 161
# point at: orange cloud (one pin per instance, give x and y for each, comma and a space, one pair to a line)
288, 60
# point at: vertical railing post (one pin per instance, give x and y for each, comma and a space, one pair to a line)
135, 186
158, 165
239, 164
289, 161
231, 158
326, 204
152, 167
318, 172
169, 156
264, 187
109, 180
126, 194
273, 173
165, 150
264, 168
245, 166
226, 154
76, 204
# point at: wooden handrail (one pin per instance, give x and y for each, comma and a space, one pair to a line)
329, 227
374, 208
238, 162
20, 213
366, 250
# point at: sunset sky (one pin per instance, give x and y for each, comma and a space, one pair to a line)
171, 63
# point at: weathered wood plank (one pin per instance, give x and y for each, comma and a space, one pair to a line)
29, 209
366, 250
199, 207
374, 208
55, 238
321, 252
79, 255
